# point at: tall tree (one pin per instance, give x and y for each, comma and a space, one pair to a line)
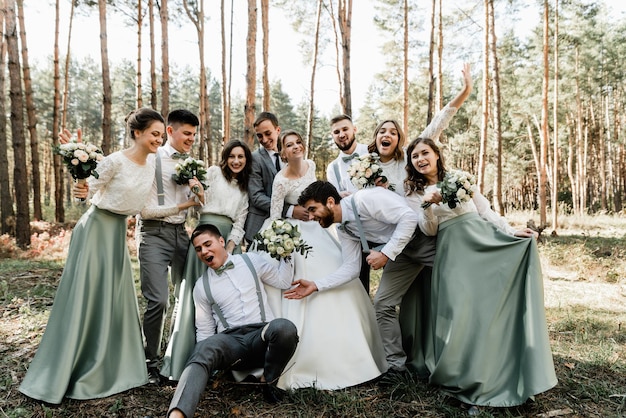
497, 112
555, 118
225, 75
7, 214
153, 76
195, 12
66, 76
311, 110
431, 59
265, 27
484, 131
139, 45
20, 173
59, 179
31, 114
543, 151
405, 71
344, 16
250, 106
165, 60
107, 94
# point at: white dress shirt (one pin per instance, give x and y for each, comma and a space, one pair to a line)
343, 183
386, 218
234, 291
174, 194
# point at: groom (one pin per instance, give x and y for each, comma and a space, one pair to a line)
236, 328
379, 216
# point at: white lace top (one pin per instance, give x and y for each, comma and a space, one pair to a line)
122, 186
395, 170
438, 213
289, 190
226, 198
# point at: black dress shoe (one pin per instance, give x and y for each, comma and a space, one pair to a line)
393, 377
272, 394
154, 378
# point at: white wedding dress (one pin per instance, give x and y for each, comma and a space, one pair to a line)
340, 345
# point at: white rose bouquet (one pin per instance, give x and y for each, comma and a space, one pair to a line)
280, 240
364, 171
188, 169
456, 187
80, 158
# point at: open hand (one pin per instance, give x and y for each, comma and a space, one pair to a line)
66, 136
302, 289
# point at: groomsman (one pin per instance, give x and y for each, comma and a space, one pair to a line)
162, 238
235, 325
374, 215
344, 133
266, 162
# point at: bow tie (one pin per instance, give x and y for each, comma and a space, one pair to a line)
350, 157
179, 155
229, 265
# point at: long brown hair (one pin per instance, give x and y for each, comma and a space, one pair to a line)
415, 181
398, 154
243, 177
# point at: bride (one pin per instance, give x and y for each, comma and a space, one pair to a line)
340, 345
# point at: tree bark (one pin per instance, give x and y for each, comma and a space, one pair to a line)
20, 173
266, 38
250, 107
482, 157
344, 10
59, 178
543, 150
555, 119
225, 77
311, 116
107, 94
153, 76
31, 114
497, 114
405, 68
7, 214
431, 59
139, 44
165, 61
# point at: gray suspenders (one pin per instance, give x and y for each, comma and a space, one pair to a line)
159, 178
215, 307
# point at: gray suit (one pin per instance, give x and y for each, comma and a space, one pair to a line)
260, 192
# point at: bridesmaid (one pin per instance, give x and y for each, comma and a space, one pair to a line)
92, 346
488, 340
226, 207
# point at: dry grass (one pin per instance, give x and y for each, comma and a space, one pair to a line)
585, 289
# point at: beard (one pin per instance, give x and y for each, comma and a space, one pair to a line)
347, 145
327, 218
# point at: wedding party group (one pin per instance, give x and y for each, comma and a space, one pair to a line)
273, 284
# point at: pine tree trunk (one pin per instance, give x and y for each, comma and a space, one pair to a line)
544, 138
7, 214
266, 38
482, 156
59, 177
20, 173
497, 114
405, 71
250, 106
139, 45
431, 59
225, 77
311, 116
555, 119
165, 61
153, 76
344, 8
107, 94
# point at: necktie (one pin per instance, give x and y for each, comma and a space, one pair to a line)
350, 157
179, 155
277, 161
229, 265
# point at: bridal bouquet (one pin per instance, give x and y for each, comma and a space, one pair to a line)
80, 158
280, 240
365, 170
188, 169
456, 187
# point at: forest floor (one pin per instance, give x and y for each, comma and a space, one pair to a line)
585, 296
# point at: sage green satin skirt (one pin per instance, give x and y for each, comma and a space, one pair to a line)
92, 346
485, 338
183, 336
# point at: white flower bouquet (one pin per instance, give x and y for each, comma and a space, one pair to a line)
364, 171
456, 187
188, 169
80, 158
280, 240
